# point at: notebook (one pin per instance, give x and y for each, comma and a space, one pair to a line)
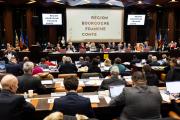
115, 90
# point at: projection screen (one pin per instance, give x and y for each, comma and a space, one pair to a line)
98, 25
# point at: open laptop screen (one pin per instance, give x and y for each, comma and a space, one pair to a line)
173, 87
115, 90
2, 66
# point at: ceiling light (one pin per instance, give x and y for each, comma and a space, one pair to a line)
139, 2
31, 1
173, 1
158, 5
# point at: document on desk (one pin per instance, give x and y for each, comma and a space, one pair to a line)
93, 82
165, 96
107, 99
58, 94
128, 78
47, 82
93, 98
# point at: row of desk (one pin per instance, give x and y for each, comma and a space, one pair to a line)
44, 103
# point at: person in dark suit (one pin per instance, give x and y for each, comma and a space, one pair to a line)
13, 107
152, 78
13, 67
114, 80
29, 82
154, 61
93, 68
67, 66
72, 103
140, 101
174, 71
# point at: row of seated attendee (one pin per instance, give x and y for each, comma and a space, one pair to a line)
139, 102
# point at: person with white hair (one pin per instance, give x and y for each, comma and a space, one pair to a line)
13, 107
113, 80
67, 66
28, 82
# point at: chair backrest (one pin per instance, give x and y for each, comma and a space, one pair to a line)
176, 74
66, 75
87, 75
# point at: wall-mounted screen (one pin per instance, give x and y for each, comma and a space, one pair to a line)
136, 19
95, 25
51, 19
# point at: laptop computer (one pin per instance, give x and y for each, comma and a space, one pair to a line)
2, 67
115, 90
173, 87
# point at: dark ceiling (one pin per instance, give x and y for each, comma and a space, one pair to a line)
163, 3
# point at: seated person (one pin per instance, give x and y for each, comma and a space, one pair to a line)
28, 82
67, 66
42, 64
140, 101
152, 78
154, 61
58, 47
81, 60
135, 60
113, 47
13, 67
93, 47
113, 80
117, 62
93, 68
174, 72
107, 62
13, 107
72, 103
139, 47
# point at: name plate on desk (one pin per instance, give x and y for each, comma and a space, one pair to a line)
93, 98
59, 94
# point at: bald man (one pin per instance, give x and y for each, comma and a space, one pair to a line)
13, 107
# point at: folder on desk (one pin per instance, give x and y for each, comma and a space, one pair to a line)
93, 98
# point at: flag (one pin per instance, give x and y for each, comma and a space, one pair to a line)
21, 41
159, 40
16, 40
26, 41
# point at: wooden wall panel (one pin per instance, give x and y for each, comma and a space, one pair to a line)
171, 20
30, 27
7, 18
153, 22
52, 34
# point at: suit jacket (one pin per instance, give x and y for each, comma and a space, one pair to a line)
28, 82
14, 107
152, 79
112, 81
140, 102
67, 68
72, 103
14, 69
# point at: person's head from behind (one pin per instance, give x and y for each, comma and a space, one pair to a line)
146, 68
68, 60
9, 82
54, 116
71, 83
117, 61
114, 71
150, 57
107, 62
28, 67
25, 59
154, 58
95, 62
43, 60
138, 78
173, 62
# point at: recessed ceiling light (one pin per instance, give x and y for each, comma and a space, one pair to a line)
158, 5
173, 1
139, 2
31, 1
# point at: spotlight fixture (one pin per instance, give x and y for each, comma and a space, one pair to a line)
139, 2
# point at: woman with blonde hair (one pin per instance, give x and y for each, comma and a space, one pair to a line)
54, 116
